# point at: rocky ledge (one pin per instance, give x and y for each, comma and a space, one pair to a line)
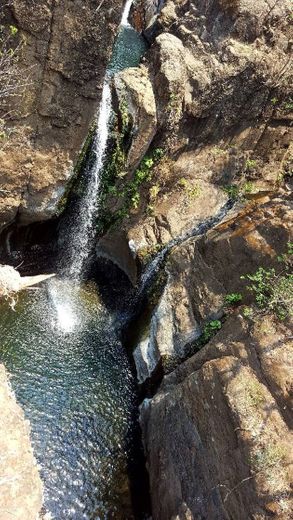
217, 432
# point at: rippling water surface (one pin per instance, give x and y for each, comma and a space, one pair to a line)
72, 377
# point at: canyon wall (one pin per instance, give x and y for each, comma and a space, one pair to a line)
21, 491
217, 430
62, 51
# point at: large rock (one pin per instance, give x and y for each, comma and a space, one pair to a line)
64, 56
216, 434
136, 97
221, 76
21, 491
202, 271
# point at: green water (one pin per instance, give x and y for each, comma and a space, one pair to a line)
127, 51
72, 378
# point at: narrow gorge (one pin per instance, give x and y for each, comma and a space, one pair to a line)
146, 286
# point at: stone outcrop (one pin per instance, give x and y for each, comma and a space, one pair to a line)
65, 50
220, 73
216, 434
136, 97
217, 431
202, 271
21, 491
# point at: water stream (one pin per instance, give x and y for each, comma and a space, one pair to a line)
68, 368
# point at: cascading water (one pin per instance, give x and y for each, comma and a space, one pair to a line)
82, 232
68, 368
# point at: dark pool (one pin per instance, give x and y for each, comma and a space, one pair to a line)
72, 377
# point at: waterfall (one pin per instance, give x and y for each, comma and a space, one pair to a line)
125, 15
82, 233
83, 230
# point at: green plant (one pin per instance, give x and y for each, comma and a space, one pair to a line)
248, 187
288, 105
13, 30
154, 192
216, 150
268, 456
233, 298
232, 190
210, 330
247, 312
274, 101
192, 190
272, 290
250, 164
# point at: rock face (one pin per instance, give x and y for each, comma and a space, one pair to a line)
20, 484
220, 74
217, 435
202, 271
134, 90
217, 432
66, 46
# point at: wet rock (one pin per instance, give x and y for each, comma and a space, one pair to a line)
115, 247
202, 271
21, 492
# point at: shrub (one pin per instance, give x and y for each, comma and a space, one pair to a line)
232, 190
273, 290
250, 164
210, 330
233, 298
192, 190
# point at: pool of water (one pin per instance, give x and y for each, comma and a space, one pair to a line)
128, 49
72, 377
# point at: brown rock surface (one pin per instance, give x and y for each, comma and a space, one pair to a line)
65, 52
217, 431
217, 435
134, 90
221, 77
20, 484
203, 270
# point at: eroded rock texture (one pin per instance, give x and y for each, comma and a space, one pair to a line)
220, 73
217, 432
66, 46
217, 435
21, 491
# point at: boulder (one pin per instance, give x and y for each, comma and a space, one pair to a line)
135, 93
216, 434
21, 490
